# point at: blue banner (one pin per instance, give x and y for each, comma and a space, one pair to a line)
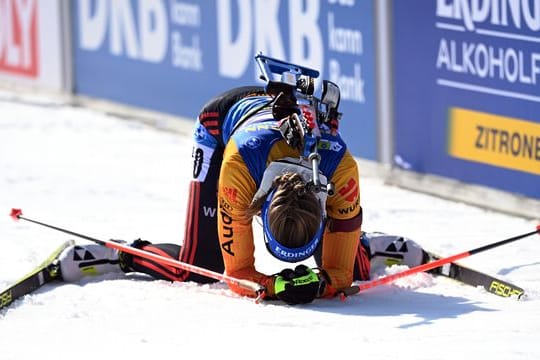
467, 91
173, 56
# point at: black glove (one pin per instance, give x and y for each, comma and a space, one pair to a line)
299, 286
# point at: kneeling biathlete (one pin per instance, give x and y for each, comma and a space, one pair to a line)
272, 152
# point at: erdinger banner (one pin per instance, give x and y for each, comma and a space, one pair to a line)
173, 56
467, 90
30, 43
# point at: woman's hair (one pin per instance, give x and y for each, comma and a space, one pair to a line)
294, 215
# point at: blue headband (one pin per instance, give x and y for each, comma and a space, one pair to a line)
282, 252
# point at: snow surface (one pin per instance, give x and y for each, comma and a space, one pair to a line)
108, 177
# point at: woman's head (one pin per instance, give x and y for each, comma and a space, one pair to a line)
292, 218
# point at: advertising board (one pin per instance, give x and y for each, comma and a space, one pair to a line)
31, 41
173, 56
467, 91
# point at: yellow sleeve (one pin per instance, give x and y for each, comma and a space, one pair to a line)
235, 192
339, 247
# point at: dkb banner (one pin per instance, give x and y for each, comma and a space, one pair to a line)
173, 56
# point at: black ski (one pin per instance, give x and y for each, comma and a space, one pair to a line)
46, 272
476, 278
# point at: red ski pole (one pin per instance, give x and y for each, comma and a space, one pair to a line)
434, 264
257, 289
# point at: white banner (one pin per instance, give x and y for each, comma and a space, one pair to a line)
31, 44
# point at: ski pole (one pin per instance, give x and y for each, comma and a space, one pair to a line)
434, 264
256, 288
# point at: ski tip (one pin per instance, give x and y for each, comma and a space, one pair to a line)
16, 214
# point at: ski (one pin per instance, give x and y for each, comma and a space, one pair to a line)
44, 273
477, 278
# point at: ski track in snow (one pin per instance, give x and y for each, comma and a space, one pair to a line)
108, 177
